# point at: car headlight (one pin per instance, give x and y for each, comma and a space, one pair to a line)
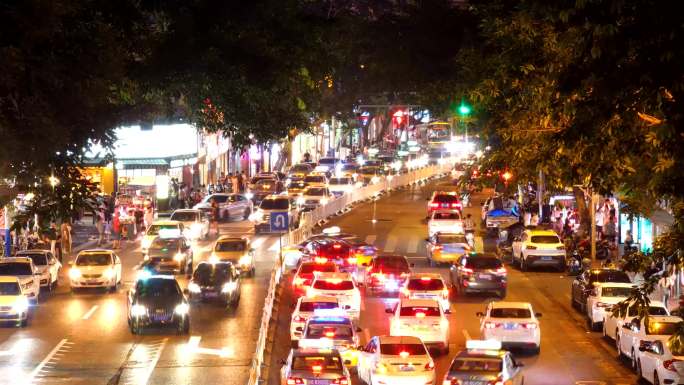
324, 201
256, 216
245, 260
21, 305
300, 200
138, 310
145, 243
249, 195
182, 309
229, 287
143, 274
109, 273
194, 288
74, 273
375, 179
178, 257
196, 227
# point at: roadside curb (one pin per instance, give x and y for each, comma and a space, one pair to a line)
270, 336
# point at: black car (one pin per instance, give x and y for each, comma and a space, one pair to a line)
584, 283
215, 281
171, 255
158, 301
387, 273
478, 273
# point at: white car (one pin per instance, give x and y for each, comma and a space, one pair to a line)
332, 329
445, 222
341, 185
539, 248
427, 286
47, 265
162, 229
14, 304
636, 330
304, 309
422, 318
657, 362
314, 196
514, 324
195, 222
612, 324
25, 271
396, 361
95, 268
602, 298
339, 285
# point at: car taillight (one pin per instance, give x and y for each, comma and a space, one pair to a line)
320, 259
669, 364
530, 325
501, 270
530, 247
430, 365
295, 381
341, 381
299, 318
491, 325
299, 281
466, 270
337, 246
434, 205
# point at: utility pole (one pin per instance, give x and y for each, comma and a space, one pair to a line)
592, 214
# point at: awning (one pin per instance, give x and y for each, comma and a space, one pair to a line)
149, 162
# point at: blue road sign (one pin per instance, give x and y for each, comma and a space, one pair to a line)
280, 221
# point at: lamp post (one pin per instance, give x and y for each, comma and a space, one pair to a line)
464, 111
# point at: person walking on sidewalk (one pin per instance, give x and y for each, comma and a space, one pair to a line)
241, 181
215, 215
52, 237
116, 230
65, 231
100, 225
234, 183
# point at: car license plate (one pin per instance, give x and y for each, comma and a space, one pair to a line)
485, 276
211, 294
546, 258
92, 281
320, 382
510, 326
406, 368
420, 328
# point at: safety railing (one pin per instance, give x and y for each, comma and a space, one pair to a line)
308, 221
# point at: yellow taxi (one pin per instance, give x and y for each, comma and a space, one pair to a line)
446, 248
236, 250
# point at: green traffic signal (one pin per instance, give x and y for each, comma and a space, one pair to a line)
463, 109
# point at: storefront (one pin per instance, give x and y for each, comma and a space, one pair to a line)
645, 229
101, 174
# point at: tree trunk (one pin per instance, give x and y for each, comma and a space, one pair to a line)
583, 209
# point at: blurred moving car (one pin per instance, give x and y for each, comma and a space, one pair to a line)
483, 362
163, 229
230, 205
14, 303
195, 223
215, 281
304, 308
314, 196
387, 273
341, 185
47, 266
445, 222
171, 255
296, 187
271, 204
236, 250
264, 188
396, 360
443, 200
584, 283
158, 301
95, 268
339, 285
304, 275
602, 298
427, 286
316, 179
446, 248
331, 329
314, 366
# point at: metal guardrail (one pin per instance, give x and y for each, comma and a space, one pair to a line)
308, 222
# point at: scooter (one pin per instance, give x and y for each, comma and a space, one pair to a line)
574, 263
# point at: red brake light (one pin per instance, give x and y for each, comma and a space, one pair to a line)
501, 270
299, 318
467, 270
530, 325
337, 246
669, 365
295, 381
404, 354
430, 365
491, 325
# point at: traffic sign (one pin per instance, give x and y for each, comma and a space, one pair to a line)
280, 221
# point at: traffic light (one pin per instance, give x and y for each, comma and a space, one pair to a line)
464, 109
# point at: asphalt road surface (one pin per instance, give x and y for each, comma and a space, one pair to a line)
570, 353
83, 338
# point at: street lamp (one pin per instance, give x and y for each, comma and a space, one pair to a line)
54, 181
507, 176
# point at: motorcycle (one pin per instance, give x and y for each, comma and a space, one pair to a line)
574, 263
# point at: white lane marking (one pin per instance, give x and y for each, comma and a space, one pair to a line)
90, 312
257, 242
370, 239
193, 348
412, 246
193, 342
275, 246
47, 359
390, 244
466, 335
154, 350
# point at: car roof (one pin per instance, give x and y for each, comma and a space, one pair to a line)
276, 196
17, 259
302, 352
541, 232
419, 302
510, 305
165, 222
614, 284
95, 251
423, 275
664, 318
231, 238
453, 193
214, 263
393, 340
33, 251
159, 277
320, 298
8, 279
338, 275
475, 353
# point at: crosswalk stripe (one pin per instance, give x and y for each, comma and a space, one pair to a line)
390, 244
370, 239
257, 242
412, 246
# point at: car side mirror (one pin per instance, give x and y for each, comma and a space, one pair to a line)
479, 314
389, 310
538, 315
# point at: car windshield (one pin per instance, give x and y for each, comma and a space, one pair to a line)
9, 288
419, 311
445, 198
448, 216
39, 259
548, 239
483, 263
185, 216
512, 312
208, 272
308, 363
99, 259
300, 168
298, 185
311, 306
309, 268
656, 328
275, 204
157, 288
492, 365
611, 276
391, 263
657, 310
267, 184
333, 284
238, 245
156, 229
340, 180
349, 167
15, 268
426, 283
450, 238
315, 191
329, 331
315, 179
397, 349
615, 291
165, 243
368, 170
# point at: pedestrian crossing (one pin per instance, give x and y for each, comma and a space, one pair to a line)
407, 244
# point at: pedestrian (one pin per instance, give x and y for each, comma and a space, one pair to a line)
241, 181
234, 183
609, 230
52, 237
599, 222
534, 220
468, 224
215, 215
149, 216
65, 230
527, 218
116, 230
99, 224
